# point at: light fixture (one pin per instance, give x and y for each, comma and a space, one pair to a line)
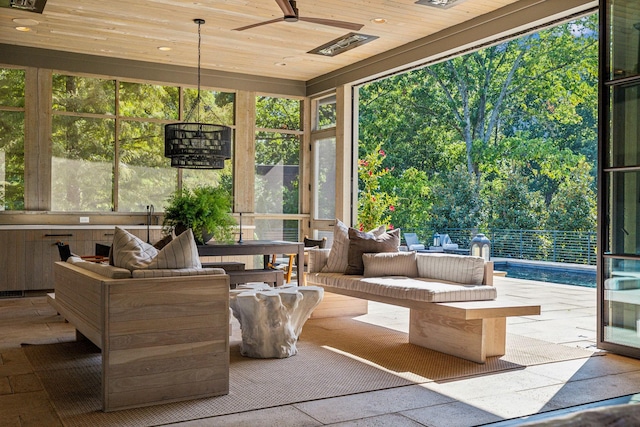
481, 247
378, 21
164, 48
23, 29
196, 145
443, 4
343, 44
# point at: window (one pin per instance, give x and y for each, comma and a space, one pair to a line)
277, 174
12, 139
108, 131
218, 108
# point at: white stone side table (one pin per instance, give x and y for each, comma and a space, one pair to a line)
271, 319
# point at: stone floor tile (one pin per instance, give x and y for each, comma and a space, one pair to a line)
597, 366
25, 383
283, 416
26, 405
518, 404
590, 390
387, 420
454, 414
5, 386
469, 389
364, 405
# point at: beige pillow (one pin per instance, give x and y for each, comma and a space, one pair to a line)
338, 257
361, 243
467, 270
180, 252
130, 252
390, 264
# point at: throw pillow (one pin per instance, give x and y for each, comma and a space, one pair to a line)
129, 251
163, 242
338, 257
314, 243
467, 270
181, 252
361, 243
390, 264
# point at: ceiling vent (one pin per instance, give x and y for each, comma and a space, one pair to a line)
442, 4
36, 6
343, 44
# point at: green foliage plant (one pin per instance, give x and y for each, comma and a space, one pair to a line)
374, 205
205, 209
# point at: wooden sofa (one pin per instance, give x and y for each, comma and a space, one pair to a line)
163, 339
473, 330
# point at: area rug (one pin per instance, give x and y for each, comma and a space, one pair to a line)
336, 357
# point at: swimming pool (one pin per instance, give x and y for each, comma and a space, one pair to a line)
544, 273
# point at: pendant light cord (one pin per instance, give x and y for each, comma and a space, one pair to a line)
200, 22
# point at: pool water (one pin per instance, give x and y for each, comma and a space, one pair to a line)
567, 276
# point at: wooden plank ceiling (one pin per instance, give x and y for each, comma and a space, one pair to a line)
131, 29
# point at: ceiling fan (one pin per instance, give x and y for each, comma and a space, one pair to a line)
290, 12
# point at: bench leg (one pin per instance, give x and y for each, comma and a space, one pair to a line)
473, 340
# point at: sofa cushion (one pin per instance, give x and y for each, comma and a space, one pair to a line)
452, 268
180, 252
130, 252
102, 269
162, 272
317, 259
405, 288
361, 243
338, 261
390, 264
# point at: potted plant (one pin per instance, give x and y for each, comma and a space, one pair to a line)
205, 209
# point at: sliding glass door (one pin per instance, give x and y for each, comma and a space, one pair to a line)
619, 201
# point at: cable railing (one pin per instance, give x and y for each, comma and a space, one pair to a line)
577, 247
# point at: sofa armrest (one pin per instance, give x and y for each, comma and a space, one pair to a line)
317, 259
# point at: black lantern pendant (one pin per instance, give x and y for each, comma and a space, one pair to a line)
195, 145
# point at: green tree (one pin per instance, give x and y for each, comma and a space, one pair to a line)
529, 104
413, 189
572, 207
512, 205
456, 201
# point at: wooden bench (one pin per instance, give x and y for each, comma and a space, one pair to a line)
472, 330
163, 339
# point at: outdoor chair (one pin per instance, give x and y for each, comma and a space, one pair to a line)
413, 244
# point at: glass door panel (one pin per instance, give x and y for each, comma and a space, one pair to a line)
619, 171
623, 146
324, 179
621, 308
624, 34
622, 236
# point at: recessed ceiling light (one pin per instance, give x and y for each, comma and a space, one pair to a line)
280, 64
25, 22
164, 48
379, 21
23, 29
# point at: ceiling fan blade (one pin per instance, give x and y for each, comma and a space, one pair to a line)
258, 24
287, 7
333, 23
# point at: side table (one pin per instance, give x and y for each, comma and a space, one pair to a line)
271, 319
